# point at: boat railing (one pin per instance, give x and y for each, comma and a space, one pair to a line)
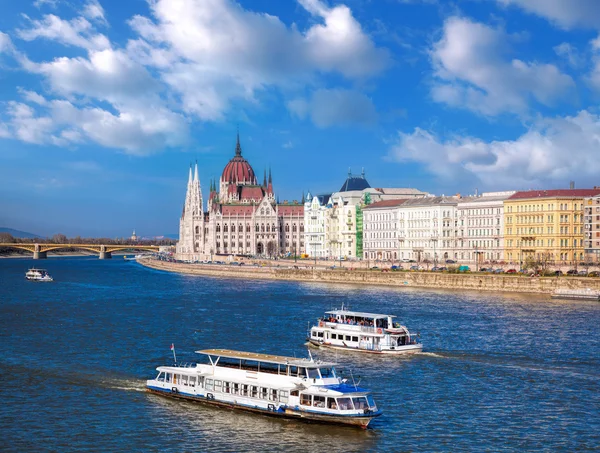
345, 326
186, 365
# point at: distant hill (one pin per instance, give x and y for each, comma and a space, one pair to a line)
19, 234
172, 236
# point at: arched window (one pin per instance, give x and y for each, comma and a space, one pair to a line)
241, 228
268, 228
287, 227
262, 227
225, 229
256, 228
197, 230
233, 227
294, 227
218, 228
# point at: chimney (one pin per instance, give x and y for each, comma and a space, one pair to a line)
572, 185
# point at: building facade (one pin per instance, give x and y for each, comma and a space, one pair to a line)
480, 233
242, 216
380, 230
545, 226
591, 229
315, 230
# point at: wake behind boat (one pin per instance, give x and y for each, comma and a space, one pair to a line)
364, 332
274, 385
38, 275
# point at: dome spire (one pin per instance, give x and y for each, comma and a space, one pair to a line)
238, 148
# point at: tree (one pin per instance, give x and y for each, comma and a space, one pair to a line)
271, 249
59, 239
7, 238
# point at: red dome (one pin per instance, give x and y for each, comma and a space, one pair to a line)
238, 170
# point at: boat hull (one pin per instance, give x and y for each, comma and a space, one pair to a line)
401, 350
288, 412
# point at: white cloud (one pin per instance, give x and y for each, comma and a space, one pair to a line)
228, 53
569, 53
471, 71
564, 13
335, 107
78, 32
93, 10
551, 153
61, 123
41, 3
6, 45
593, 78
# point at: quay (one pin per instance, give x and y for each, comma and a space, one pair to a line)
583, 294
436, 280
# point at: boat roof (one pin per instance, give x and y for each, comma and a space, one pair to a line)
358, 313
267, 358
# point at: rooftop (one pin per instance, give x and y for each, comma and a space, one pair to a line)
355, 183
553, 193
385, 204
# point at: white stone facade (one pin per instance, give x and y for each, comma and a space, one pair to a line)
591, 229
315, 228
380, 230
480, 234
190, 246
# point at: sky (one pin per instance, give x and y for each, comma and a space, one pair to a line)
105, 103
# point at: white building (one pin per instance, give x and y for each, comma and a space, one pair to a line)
380, 230
480, 234
315, 218
427, 229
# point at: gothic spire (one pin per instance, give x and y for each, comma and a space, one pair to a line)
270, 179
265, 179
196, 172
238, 148
190, 176
303, 200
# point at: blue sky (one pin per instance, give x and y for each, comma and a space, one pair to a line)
104, 103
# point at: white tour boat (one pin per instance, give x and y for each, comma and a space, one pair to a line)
38, 275
364, 332
288, 387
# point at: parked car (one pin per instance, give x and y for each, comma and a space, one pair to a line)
396, 268
511, 271
594, 274
558, 272
436, 269
375, 267
450, 262
443, 268
405, 260
411, 261
583, 273
485, 269
571, 272
415, 268
464, 269
498, 271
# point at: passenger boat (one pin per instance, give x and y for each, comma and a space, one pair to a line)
364, 332
38, 275
289, 387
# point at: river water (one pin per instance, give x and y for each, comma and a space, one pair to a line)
500, 372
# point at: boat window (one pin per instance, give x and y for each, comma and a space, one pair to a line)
273, 395
305, 400
184, 380
327, 372
354, 338
249, 365
320, 334
254, 391
264, 393
345, 404
176, 378
360, 402
318, 401
236, 389
371, 401
331, 404
283, 396
282, 369
209, 384
167, 377
348, 338
313, 373
193, 381
218, 385
334, 336
301, 372
245, 389
314, 334
160, 376
269, 368
226, 387
294, 393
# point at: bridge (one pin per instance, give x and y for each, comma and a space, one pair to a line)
40, 251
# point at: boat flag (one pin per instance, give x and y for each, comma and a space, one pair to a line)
173, 349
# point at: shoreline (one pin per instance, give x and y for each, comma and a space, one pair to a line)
431, 280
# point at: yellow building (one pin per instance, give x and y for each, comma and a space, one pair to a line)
545, 225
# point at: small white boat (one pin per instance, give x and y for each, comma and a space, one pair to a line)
38, 275
365, 332
289, 387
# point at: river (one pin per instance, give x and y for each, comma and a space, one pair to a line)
500, 372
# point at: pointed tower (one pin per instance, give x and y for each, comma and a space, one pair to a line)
191, 224
270, 186
265, 179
